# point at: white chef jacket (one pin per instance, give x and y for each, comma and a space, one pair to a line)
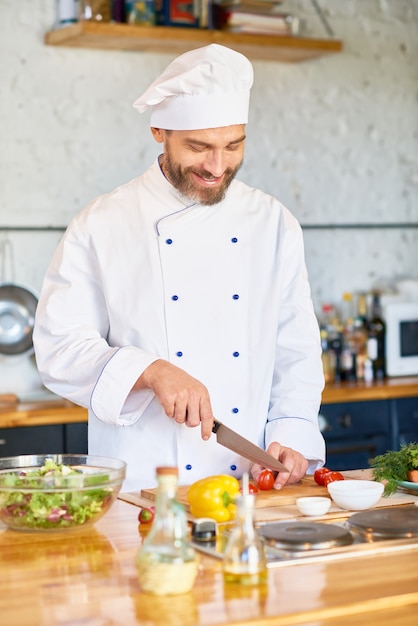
220, 291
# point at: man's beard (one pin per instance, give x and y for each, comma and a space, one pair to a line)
181, 179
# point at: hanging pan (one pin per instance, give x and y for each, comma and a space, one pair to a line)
17, 312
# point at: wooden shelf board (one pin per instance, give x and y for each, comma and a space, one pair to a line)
113, 36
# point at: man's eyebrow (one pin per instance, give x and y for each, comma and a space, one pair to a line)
205, 144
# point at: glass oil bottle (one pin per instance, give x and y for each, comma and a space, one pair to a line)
245, 560
166, 563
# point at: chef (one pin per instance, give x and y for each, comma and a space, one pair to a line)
183, 295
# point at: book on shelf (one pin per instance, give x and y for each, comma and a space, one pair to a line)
184, 13
257, 17
259, 5
246, 16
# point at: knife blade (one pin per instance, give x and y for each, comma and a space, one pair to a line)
235, 442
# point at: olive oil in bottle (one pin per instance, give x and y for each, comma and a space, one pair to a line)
245, 561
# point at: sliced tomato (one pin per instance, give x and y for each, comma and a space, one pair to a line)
331, 477
320, 475
265, 480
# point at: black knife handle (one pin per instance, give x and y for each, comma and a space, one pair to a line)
215, 426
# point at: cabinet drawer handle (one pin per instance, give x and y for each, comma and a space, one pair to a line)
3, 442
345, 420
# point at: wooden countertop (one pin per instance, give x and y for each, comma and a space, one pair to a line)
404, 387
14, 413
89, 577
40, 413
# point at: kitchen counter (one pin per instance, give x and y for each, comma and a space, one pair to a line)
40, 413
388, 389
88, 577
60, 411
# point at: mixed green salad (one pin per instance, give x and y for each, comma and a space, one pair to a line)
52, 496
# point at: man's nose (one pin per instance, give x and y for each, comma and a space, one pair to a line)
215, 163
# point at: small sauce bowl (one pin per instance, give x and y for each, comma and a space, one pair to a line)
313, 505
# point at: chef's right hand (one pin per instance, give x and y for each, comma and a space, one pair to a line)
183, 398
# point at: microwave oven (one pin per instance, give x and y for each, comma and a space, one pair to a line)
401, 350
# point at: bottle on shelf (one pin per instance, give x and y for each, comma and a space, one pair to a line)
348, 359
348, 345
117, 11
360, 337
327, 316
335, 344
325, 327
347, 308
166, 562
244, 559
361, 315
376, 334
66, 13
368, 371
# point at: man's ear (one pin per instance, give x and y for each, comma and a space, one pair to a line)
158, 134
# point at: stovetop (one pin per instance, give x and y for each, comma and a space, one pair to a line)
371, 532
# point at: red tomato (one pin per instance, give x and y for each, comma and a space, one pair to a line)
265, 480
320, 475
251, 489
146, 515
331, 477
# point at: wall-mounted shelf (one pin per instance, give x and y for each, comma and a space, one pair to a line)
361, 226
365, 226
173, 40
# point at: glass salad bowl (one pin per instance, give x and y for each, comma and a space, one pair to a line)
55, 492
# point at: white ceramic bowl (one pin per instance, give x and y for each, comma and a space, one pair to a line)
313, 505
355, 495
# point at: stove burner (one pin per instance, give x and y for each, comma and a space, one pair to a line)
391, 523
303, 536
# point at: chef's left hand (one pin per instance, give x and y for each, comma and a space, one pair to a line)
293, 460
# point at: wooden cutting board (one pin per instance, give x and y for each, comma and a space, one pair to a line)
281, 505
264, 499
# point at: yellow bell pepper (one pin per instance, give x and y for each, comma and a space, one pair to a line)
214, 497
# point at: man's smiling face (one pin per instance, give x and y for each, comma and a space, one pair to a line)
201, 164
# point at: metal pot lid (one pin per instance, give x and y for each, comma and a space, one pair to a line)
302, 536
17, 319
396, 522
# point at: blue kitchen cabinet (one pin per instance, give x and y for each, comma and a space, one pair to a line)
75, 438
405, 415
32, 440
49, 439
355, 432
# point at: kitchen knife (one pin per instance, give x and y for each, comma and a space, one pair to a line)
232, 440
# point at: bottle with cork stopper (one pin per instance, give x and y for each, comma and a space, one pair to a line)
166, 562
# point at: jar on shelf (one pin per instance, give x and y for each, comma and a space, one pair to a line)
66, 12
94, 10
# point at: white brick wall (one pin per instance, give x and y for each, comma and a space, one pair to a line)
335, 139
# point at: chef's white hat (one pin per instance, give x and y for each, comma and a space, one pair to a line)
205, 88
